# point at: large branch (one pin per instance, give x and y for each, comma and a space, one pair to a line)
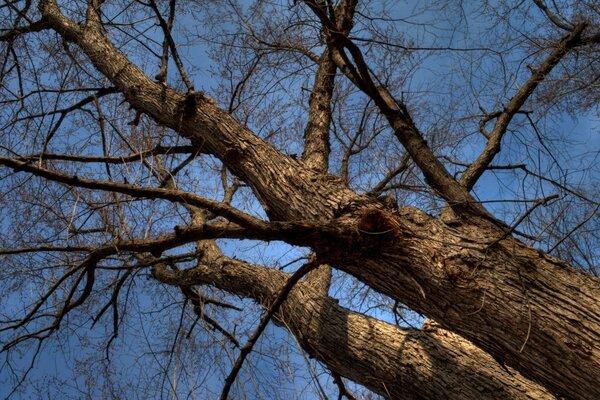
530, 311
357, 70
430, 363
539, 316
211, 130
317, 142
316, 134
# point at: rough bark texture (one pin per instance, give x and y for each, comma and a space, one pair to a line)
528, 310
535, 314
316, 135
396, 363
316, 142
213, 131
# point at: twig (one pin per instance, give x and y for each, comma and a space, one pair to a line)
343, 391
511, 229
281, 297
167, 32
592, 214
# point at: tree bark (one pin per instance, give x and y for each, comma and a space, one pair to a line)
529, 311
397, 363
316, 134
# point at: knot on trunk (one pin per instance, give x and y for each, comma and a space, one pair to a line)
374, 221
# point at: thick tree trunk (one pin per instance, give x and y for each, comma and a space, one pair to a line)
535, 314
397, 363
530, 311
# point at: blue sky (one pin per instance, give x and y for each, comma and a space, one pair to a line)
58, 360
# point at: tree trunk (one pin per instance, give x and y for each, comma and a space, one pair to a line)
530, 311
535, 314
397, 363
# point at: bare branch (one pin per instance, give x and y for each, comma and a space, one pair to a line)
112, 159
11, 34
316, 133
343, 391
274, 308
397, 114
335, 335
93, 14
379, 187
565, 25
164, 61
475, 170
166, 27
38, 249
178, 196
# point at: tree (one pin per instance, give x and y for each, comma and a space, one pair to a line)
119, 169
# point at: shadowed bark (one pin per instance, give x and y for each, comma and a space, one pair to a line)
506, 304
396, 363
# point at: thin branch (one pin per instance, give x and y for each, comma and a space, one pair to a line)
178, 196
475, 170
11, 34
42, 300
537, 175
167, 32
65, 112
113, 302
575, 228
164, 61
29, 369
422, 48
513, 227
283, 294
378, 188
134, 157
552, 17
343, 391
61, 249
198, 302
241, 85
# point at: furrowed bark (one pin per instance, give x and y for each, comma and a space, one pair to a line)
211, 130
396, 363
316, 134
535, 314
316, 142
530, 311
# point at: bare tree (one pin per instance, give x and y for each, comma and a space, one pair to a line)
391, 184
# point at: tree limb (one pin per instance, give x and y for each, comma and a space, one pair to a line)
476, 169
397, 115
341, 338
